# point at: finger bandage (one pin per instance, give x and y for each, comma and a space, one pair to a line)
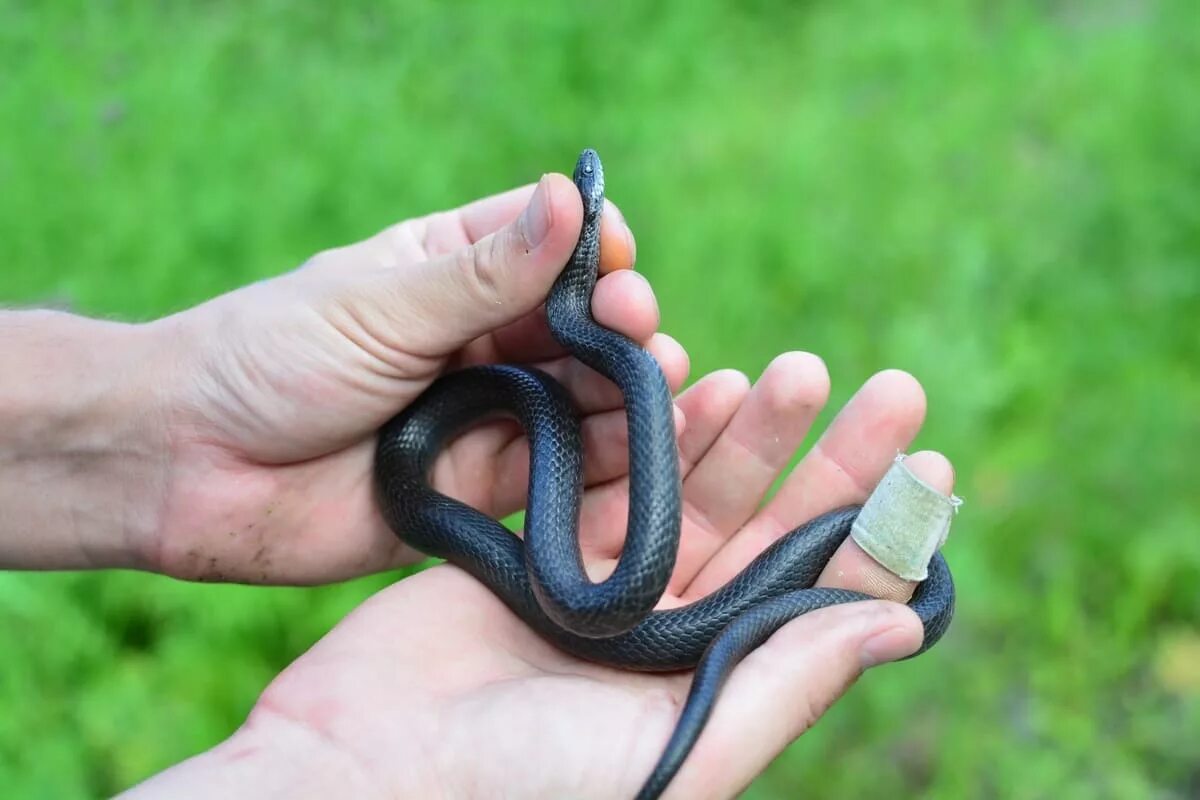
904, 522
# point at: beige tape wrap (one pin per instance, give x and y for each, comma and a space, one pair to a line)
904, 522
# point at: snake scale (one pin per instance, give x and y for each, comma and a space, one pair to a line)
541, 576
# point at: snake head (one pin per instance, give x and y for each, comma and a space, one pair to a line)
589, 179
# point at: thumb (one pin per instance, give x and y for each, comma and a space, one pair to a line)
781, 689
447, 301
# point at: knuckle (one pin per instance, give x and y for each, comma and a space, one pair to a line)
322, 261
481, 269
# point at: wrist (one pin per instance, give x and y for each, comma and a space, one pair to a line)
82, 441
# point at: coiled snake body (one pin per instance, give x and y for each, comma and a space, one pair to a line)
542, 578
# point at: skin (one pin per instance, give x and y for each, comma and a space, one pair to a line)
233, 441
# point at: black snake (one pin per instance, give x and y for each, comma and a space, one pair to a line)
542, 577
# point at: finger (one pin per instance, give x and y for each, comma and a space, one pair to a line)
726, 487
432, 308
593, 392
730, 481
623, 302
852, 568
707, 406
434, 235
843, 467
482, 217
447, 231
851, 457
780, 690
488, 466
499, 278
605, 445
618, 250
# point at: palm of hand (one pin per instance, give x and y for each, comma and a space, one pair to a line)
435, 673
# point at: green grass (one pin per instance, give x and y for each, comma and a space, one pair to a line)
1003, 198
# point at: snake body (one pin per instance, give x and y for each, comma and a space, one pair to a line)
542, 578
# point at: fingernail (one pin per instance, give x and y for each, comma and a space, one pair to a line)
535, 219
890, 644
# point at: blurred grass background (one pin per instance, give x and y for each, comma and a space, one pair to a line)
1002, 198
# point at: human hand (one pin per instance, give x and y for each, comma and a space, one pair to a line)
433, 688
275, 391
